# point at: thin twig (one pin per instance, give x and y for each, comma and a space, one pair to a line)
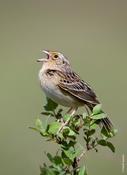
75, 166
81, 155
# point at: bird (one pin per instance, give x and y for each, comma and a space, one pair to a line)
65, 87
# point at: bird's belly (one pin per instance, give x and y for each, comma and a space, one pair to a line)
57, 96
53, 92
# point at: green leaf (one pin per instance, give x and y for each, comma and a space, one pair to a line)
91, 132
39, 126
93, 125
82, 171
103, 142
71, 133
58, 160
111, 146
114, 132
70, 154
53, 127
67, 117
51, 105
86, 123
66, 159
106, 134
50, 157
35, 129
66, 146
47, 170
67, 131
38, 123
99, 116
97, 109
46, 113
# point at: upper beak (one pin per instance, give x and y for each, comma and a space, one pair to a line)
46, 52
43, 59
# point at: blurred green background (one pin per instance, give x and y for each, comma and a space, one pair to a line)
93, 34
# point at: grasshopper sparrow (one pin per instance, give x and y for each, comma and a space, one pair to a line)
64, 86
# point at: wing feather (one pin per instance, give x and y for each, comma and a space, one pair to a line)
72, 83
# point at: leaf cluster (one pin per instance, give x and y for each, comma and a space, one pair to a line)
70, 151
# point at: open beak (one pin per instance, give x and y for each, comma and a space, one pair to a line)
44, 59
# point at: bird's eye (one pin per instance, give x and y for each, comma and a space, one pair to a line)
55, 56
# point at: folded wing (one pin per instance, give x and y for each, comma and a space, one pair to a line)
72, 83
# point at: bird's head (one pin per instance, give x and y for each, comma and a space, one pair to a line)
54, 58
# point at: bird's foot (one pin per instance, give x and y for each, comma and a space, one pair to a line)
70, 112
62, 126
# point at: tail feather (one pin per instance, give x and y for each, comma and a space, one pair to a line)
105, 122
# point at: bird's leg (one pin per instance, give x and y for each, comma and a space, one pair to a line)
71, 112
87, 110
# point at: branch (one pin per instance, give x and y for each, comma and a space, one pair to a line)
65, 130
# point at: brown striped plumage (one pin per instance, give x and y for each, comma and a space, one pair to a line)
64, 86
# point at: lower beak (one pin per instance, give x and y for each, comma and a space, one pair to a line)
41, 60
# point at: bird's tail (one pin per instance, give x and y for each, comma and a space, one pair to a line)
105, 122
